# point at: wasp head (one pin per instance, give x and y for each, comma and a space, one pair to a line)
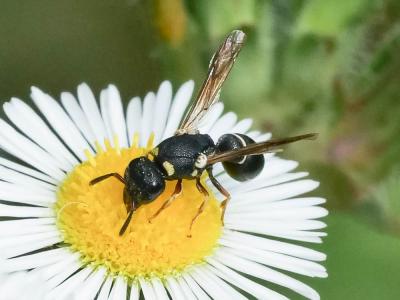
144, 182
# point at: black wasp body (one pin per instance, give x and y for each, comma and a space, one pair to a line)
183, 156
188, 154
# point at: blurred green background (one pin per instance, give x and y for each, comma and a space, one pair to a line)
324, 66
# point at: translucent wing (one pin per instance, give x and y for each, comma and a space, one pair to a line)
257, 148
219, 68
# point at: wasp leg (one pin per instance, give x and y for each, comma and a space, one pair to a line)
175, 194
222, 190
202, 190
103, 177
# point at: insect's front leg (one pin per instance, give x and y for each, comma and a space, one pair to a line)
222, 190
175, 194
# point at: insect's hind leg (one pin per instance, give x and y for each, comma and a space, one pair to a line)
222, 190
175, 194
202, 190
106, 176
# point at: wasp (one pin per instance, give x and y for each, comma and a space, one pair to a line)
189, 153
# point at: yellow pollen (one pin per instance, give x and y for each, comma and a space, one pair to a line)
90, 218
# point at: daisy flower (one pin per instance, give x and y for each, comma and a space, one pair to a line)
60, 234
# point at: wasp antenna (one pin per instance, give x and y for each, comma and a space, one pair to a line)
126, 223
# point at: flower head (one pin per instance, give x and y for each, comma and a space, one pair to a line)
62, 233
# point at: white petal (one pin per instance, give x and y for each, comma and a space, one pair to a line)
214, 286
66, 289
28, 243
33, 261
147, 289
211, 117
21, 147
78, 117
116, 113
275, 193
262, 137
33, 127
134, 117
12, 176
104, 110
159, 289
92, 285
25, 212
12, 241
223, 125
276, 260
28, 171
20, 194
135, 292
254, 134
119, 289
297, 202
62, 124
302, 213
63, 274
105, 289
234, 294
25, 226
253, 288
147, 118
28, 230
76, 292
70, 260
293, 203
174, 289
187, 291
212, 289
10, 287
162, 105
286, 230
242, 126
179, 104
196, 289
258, 184
91, 111
260, 271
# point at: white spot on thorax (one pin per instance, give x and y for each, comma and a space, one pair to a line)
201, 161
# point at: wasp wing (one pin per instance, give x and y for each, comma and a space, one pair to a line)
219, 68
257, 148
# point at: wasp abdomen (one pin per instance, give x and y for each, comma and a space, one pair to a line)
241, 168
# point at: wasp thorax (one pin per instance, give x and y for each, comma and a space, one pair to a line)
144, 180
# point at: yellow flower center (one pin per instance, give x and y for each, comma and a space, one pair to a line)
90, 218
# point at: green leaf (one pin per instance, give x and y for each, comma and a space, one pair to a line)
388, 197
329, 17
218, 17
